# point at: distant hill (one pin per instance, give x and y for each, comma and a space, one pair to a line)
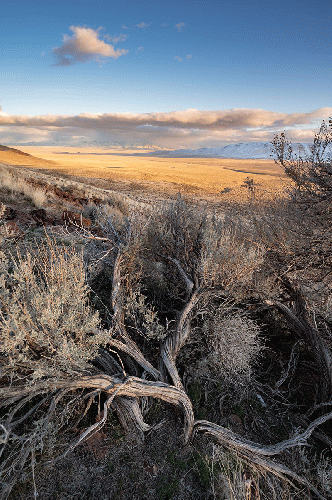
15, 157
249, 150
12, 150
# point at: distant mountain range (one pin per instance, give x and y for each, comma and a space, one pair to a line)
249, 150
243, 150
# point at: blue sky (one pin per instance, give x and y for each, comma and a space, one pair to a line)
150, 59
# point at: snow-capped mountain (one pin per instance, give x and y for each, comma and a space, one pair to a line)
250, 150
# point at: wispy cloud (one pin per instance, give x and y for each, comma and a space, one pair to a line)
188, 128
116, 39
180, 26
143, 25
180, 59
139, 49
134, 26
83, 46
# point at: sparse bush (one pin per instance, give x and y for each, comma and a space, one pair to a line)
16, 183
143, 318
228, 257
176, 230
234, 344
312, 175
324, 472
46, 322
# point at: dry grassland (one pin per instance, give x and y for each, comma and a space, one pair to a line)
189, 174
15, 158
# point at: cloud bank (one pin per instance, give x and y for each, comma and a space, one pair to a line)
188, 128
83, 46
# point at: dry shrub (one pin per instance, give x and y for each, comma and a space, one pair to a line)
324, 472
229, 256
2, 210
112, 220
117, 201
16, 183
46, 322
234, 344
176, 230
311, 173
142, 317
234, 478
213, 252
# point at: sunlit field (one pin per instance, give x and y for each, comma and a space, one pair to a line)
196, 174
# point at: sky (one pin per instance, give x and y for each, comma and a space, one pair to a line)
164, 74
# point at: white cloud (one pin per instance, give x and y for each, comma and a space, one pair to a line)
83, 46
180, 26
139, 49
189, 56
178, 58
2, 113
188, 128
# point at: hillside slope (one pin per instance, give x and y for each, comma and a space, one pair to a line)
12, 156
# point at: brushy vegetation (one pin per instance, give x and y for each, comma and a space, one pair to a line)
17, 183
226, 316
46, 321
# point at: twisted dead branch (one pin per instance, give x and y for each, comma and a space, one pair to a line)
174, 342
123, 394
301, 324
130, 416
254, 452
131, 387
226, 436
